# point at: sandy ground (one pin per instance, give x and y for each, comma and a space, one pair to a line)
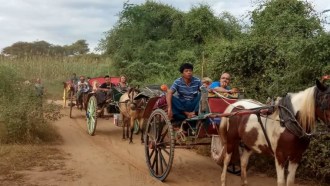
106, 159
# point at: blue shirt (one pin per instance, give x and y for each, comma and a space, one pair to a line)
216, 84
184, 91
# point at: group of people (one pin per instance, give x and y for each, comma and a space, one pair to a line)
187, 89
102, 91
186, 103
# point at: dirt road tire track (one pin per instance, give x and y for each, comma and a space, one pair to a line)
106, 159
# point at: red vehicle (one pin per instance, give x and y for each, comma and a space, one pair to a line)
100, 80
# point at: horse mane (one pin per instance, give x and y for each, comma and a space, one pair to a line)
95, 85
132, 91
307, 110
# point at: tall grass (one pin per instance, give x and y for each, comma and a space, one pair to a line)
24, 116
55, 70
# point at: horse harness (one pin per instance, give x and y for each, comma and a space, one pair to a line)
138, 104
289, 120
260, 112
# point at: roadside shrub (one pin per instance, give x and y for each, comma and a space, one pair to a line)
316, 160
24, 117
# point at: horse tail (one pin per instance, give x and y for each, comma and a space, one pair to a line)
223, 130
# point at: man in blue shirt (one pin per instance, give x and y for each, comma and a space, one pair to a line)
186, 103
222, 86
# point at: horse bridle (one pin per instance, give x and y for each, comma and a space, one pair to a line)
136, 104
323, 104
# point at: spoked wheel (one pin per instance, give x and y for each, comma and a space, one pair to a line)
159, 144
71, 103
91, 115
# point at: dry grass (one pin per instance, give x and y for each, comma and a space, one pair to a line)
54, 70
16, 158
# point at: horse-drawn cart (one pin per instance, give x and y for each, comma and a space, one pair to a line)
70, 94
162, 135
110, 104
282, 130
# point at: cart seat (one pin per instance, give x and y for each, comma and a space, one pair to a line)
219, 104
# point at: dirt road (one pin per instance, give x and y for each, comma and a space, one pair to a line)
105, 159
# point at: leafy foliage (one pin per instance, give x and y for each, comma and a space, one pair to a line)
316, 159
24, 117
283, 50
155, 33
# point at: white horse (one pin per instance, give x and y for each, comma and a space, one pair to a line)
284, 133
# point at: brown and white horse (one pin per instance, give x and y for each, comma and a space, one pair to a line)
131, 109
287, 130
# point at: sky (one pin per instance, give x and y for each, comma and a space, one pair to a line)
63, 22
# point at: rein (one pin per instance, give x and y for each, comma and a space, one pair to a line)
265, 132
136, 104
126, 101
288, 120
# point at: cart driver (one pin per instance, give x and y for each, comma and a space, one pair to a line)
104, 92
186, 103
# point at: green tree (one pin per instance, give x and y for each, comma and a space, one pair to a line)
268, 60
77, 48
153, 33
43, 48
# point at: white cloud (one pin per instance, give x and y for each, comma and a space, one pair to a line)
63, 22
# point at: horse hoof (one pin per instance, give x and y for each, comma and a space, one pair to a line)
131, 142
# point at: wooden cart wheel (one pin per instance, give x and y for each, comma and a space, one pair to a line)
159, 144
91, 115
71, 103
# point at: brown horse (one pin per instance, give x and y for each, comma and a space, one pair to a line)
69, 91
284, 133
131, 109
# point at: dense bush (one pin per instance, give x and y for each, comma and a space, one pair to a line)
316, 160
24, 116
